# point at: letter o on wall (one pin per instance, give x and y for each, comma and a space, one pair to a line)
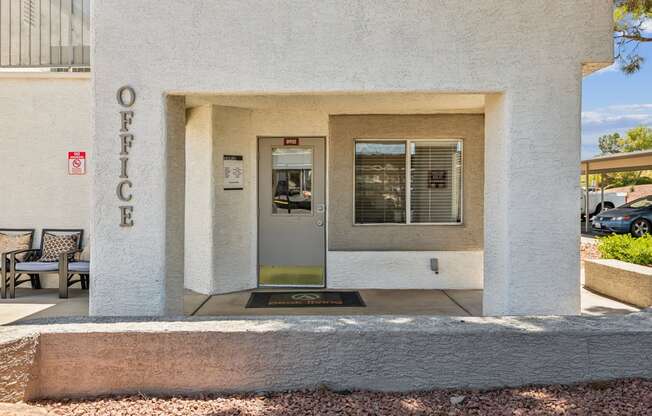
126, 96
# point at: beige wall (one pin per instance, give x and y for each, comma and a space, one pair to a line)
343, 235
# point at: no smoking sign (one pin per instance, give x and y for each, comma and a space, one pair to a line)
76, 163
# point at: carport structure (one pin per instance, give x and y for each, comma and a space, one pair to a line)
619, 162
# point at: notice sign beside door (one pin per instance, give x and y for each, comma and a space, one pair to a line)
233, 172
76, 163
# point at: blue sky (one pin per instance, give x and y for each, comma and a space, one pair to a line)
615, 102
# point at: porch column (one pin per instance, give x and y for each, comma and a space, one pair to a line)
200, 200
532, 167
138, 203
175, 194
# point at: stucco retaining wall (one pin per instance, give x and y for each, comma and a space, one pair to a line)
17, 366
388, 353
630, 283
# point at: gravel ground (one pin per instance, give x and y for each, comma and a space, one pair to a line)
624, 397
589, 251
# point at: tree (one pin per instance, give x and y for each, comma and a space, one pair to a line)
631, 18
609, 143
638, 138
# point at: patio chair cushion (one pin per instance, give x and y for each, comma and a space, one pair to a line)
54, 245
37, 266
15, 242
79, 267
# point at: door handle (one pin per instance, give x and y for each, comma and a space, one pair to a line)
320, 223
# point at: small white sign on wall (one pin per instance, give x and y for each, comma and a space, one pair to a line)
76, 163
233, 172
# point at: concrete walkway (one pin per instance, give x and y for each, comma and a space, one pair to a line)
45, 303
378, 302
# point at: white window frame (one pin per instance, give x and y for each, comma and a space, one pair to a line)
408, 181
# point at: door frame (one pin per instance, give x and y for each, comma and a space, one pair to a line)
325, 284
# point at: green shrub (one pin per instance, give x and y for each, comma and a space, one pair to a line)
627, 248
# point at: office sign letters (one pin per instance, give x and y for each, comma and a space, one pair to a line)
126, 97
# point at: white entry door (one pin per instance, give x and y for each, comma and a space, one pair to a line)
291, 211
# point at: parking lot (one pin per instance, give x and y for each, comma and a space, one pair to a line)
590, 233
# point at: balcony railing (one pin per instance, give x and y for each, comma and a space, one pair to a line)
45, 33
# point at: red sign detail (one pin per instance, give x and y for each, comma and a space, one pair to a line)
76, 163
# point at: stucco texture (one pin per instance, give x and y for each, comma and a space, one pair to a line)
344, 235
508, 47
199, 200
42, 119
386, 353
404, 270
234, 212
627, 282
18, 356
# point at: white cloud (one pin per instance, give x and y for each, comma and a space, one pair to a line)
611, 119
631, 107
593, 118
617, 117
647, 26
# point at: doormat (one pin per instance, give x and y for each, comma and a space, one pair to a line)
304, 299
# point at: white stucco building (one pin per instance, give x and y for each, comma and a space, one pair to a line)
323, 144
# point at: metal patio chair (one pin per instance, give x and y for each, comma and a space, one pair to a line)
32, 265
69, 267
4, 257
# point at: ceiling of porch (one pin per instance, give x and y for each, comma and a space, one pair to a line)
372, 103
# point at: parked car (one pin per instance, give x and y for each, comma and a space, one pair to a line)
634, 217
611, 200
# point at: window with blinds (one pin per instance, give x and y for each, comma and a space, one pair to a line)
408, 182
435, 181
380, 182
